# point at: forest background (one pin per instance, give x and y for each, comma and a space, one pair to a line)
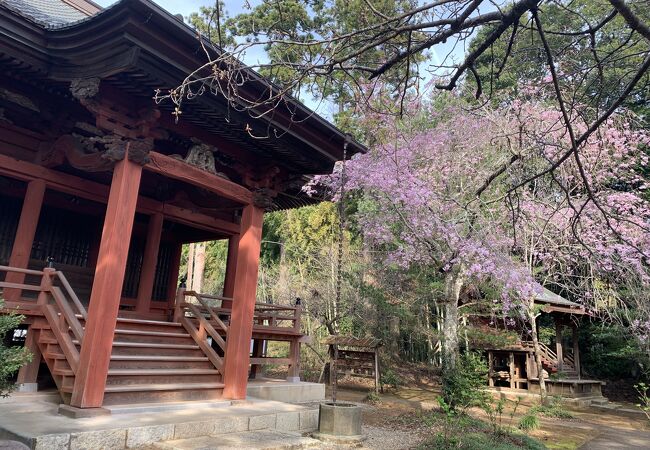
403, 304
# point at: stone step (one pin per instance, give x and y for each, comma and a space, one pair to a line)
252, 440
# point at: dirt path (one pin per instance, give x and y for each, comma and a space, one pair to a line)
391, 424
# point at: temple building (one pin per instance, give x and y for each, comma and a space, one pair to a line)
100, 187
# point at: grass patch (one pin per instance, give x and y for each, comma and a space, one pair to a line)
481, 441
461, 431
554, 409
528, 422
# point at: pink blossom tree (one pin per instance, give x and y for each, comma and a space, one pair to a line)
446, 187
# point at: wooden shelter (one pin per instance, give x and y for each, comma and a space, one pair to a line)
355, 357
102, 181
513, 365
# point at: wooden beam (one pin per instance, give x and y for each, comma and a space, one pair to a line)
28, 373
294, 366
511, 369
25, 233
98, 192
90, 380
558, 344
490, 369
191, 218
180, 170
243, 308
576, 350
149, 262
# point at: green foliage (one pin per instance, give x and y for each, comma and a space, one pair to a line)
465, 386
11, 359
373, 398
460, 431
644, 399
553, 408
611, 353
482, 441
527, 61
529, 422
391, 378
491, 338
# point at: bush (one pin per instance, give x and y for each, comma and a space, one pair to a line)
11, 359
373, 398
465, 386
391, 378
528, 422
554, 408
644, 399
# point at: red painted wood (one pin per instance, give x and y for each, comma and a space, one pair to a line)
29, 372
243, 308
231, 269
98, 192
182, 171
97, 345
148, 272
24, 239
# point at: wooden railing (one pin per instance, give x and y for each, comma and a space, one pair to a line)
549, 355
204, 316
190, 314
274, 318
57, 302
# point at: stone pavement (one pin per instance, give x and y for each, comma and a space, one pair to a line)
260, 440
33, 420
615, 438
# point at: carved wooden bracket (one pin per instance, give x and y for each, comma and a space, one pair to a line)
263, 198
111, 114
94, 154
201, 155
269, 177
84, 88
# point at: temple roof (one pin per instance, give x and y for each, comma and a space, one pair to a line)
49, 13
558, 303
136, 47
351, 341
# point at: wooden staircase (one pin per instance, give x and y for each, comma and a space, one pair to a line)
151, 362
551, 363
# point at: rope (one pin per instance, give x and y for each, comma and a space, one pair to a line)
339, 268
333, 368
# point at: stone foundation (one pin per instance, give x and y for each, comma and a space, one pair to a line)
37, 424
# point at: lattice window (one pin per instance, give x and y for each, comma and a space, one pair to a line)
163, 266
9, 215
64, 236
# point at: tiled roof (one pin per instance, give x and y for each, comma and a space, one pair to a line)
351, 341
46, 12
551, 298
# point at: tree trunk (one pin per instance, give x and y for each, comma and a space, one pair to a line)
453, 285
190, 267
199, 267
537, 352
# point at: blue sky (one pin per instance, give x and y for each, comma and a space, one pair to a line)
257, 54
185, 7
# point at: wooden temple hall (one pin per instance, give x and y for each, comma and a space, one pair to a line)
100, 188
513, 366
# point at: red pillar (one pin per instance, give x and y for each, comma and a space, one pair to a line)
243, 308
173, 276
105, 296
231, 269
149, 261
25, 232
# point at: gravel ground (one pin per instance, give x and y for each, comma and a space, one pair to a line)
390, 439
